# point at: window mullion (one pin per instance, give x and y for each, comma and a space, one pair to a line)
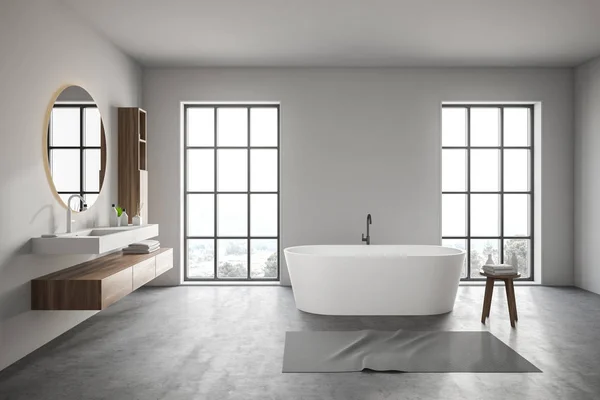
81, 154
468, 255
248, 199
501, 250
216, 212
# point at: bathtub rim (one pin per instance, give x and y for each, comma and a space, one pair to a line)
290, 250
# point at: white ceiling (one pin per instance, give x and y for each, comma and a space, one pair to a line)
406, 33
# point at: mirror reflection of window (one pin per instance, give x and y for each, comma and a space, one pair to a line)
75, 151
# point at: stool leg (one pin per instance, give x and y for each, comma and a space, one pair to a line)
490, 296
487, 299
514, 300
510, 300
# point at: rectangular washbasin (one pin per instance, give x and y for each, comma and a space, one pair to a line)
94, 241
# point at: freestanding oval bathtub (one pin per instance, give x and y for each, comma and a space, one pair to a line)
374, 280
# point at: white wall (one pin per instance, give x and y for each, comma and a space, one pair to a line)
43, 46
358, 141
587, 176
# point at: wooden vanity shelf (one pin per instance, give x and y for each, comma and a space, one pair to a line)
96, 284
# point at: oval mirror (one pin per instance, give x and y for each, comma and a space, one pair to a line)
75, 148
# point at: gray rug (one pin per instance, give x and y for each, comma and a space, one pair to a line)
403, 351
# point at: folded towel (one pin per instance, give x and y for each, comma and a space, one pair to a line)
499, 271
143, 247
137, 251
498, 266
145, 243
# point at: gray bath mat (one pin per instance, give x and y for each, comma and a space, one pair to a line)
404, 351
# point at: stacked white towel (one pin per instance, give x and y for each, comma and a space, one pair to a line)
143, 247
499, 269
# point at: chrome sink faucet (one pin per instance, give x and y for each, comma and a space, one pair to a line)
69, 211
368, 238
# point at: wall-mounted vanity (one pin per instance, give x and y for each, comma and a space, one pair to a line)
96, 284
75, 154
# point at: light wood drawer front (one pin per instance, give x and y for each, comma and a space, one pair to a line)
164, 262
116, 286
144, 272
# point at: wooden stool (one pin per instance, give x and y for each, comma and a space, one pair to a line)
510, 295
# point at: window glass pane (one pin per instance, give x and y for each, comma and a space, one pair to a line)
521, 250
454, 207
66, 169
65, 130
485, 126
263, 258
201, 126
263, 126
516, 215
201, 255
480, 250
232, 126
485, 215
233, 214
458, 244
454, 126
516, 126
263, 219
263, 170
91, 168
232, 170
201, 214
92, 126
454, 170
232, 258
516, 170
201, 170
485, 170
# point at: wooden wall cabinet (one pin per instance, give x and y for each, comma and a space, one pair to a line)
133, 161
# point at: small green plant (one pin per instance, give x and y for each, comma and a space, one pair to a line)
119, 210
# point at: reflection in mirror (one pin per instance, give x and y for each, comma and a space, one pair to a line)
76, 147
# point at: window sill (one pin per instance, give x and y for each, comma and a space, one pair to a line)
233, 283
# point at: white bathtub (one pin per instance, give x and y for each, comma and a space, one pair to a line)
374, 280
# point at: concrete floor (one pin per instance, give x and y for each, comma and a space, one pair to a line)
227, 343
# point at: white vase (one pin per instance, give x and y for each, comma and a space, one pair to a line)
137, 220
124, 218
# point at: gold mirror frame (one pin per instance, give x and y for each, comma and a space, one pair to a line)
46, 160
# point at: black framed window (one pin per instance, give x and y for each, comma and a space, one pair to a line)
75, 150
487, 184
231, 192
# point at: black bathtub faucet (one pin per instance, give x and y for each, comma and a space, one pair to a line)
368, 238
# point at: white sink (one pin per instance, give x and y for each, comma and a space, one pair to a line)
93, 241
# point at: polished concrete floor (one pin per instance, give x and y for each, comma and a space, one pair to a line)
227, 343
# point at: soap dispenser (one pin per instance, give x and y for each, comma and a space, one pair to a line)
124, 218
114, 217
